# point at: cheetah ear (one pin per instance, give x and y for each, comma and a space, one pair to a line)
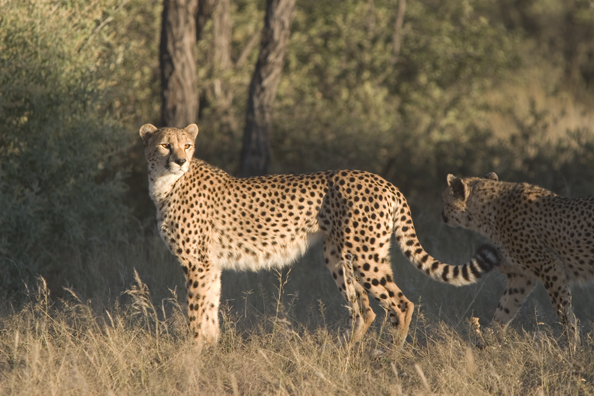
192, 129
492, 176
146, 131
457, 186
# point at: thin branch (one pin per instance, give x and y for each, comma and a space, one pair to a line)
397, 36
102, 24
248, 48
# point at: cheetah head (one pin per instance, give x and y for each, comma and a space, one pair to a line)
169, 149
168, 154
458, 202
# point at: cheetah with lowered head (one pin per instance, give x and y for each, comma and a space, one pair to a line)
542, 236
212, 221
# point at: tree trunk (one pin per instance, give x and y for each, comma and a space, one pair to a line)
222, 32
221, 20
178, 66
571, 53
255, 153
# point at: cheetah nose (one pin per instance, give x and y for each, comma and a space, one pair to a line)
180, 161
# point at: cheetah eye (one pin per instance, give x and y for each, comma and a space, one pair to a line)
165, 146
187, 146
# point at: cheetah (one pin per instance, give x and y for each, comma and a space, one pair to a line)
212, 221
542, 237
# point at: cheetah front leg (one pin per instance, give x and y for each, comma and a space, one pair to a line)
518, 288
357, 300
203, 283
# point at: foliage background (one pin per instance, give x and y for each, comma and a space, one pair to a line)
478, 86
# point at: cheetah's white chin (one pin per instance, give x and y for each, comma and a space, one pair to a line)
177, 170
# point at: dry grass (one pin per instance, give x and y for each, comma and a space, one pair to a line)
83, 347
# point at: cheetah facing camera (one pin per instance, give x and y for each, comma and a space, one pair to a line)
212, 221
542, 236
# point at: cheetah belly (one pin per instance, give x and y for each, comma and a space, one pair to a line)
253, 257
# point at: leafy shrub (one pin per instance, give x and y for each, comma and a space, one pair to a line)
60, 148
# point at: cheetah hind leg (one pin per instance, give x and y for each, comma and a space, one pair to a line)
399, 309
357, 301
560, 295
362, 316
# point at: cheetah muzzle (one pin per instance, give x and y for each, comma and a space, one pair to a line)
212, 221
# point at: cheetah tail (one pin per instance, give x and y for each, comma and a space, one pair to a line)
484, 260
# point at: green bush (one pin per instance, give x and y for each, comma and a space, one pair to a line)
60, 185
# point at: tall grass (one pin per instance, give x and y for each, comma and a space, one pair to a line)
141, 346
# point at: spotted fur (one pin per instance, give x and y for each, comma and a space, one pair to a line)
544, 237
212, 221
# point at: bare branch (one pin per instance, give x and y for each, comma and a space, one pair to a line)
397, 36
248, 48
